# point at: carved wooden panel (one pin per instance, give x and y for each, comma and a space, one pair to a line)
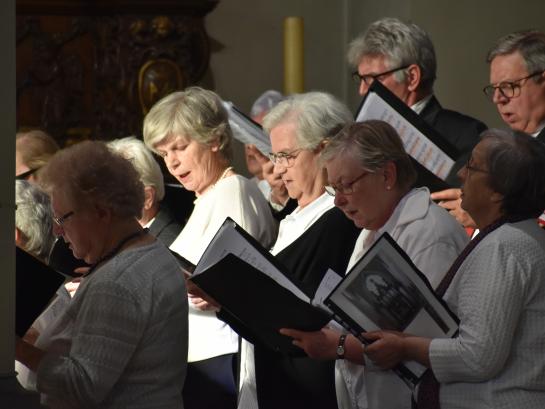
93, 69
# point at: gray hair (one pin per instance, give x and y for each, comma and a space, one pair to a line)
143, 161
34, 219
88, 173
529, 43
195, 114
515, 170
265, 102
316, 115
373, 143
401, 44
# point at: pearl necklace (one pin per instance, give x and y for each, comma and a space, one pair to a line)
213, 185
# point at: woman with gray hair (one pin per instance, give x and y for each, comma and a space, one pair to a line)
496, 287
157, 218
190, 130
121, 340
33, 220
313, 238
371, 177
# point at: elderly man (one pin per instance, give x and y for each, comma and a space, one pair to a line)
517, 88
402, 57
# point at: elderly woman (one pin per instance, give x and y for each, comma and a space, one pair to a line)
371, 176
314, 237
33, 220
158, 218
496, 287
190, 130
121, 341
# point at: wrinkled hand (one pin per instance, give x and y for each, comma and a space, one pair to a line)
387, 349
450, 200
279, 194
317, 344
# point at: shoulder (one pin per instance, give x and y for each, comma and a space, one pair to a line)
426, 223
238, 185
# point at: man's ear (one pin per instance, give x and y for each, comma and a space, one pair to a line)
149, 197
413, 77
19, 238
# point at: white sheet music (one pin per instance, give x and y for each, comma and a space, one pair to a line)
415, 142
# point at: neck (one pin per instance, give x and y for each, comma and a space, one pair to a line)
118, 232
148, 214
314, 191
217, 171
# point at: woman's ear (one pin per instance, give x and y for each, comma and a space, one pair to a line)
390, 175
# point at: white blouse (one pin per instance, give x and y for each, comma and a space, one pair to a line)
241, 200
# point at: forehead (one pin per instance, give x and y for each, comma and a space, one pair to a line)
170, 141
372, 64
507, 67
342, 167
480, 151
283, 137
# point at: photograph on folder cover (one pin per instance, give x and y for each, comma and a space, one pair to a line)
384, 290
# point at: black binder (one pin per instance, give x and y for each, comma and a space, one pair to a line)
255, 305
425, 176
35, 285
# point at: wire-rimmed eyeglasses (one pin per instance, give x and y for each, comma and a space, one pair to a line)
286, 159
60, 220
345, 188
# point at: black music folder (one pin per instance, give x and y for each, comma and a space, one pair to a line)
433, 156
35, 285
385, 290
257, 299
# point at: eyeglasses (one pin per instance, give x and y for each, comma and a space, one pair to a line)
470, 167
25, 175
369, 78
286, 159
508, 89
344, 188
60, 220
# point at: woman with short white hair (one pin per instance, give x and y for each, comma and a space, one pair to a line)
190, 130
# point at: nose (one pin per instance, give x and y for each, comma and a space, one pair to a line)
58, 231
462, 173
171, 160
340, 200
498, 97
279, 169
363, 88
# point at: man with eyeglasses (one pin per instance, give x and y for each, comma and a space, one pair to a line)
517, 88
402, 57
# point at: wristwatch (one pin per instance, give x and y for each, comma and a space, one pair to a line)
340, 347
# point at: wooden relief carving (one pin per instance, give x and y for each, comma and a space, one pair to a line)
96, 76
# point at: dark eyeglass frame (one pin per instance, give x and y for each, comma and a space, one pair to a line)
286, 159
345, 188
472, 168
369, 78
60, 220
25, 175
508, 89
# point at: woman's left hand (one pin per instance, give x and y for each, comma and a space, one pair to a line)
387, 349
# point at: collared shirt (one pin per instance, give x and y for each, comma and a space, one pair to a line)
432, 239
420, 105
290, 229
